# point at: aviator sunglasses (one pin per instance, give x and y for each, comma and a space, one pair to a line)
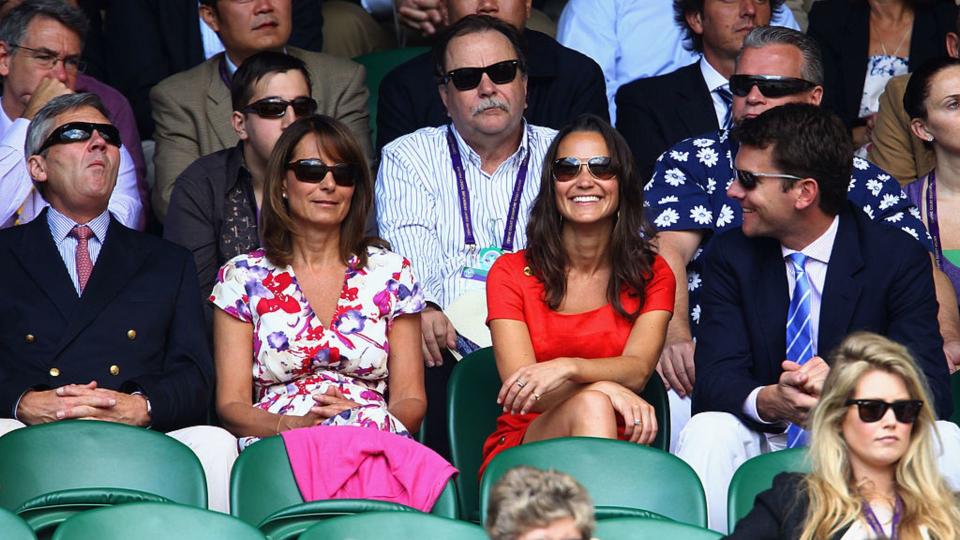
313, 171
72, 132
468, 78
771, 86
872, 410
749, 180
276, 107
567, 168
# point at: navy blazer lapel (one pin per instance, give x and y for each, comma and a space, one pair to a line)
695, 104
40, 258
840, 289
119, 259
772, 296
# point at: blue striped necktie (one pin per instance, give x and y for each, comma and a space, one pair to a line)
799, 333
727, 97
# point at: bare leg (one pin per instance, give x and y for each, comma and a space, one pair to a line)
587, 413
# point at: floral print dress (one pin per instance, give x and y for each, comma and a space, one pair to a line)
295, 357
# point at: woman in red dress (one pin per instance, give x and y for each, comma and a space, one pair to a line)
579, 317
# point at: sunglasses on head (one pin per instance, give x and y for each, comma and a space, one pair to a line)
567, 168
872, 410
313, 171
771, 86
468, 78
276, 107
749, 180
72, 132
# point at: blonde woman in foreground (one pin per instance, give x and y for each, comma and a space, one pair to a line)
874, 472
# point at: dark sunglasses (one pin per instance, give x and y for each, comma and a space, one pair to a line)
771, 86
72, 132
567, 168
749, 180
276, 107
872, 410
314, 171
469, 78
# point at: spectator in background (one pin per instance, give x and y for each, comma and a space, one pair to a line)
873, 444
101, 321
192, 109
658, 112
40, 46
866, 42
531, 504
216, 202
561, 83
893, 146
446, 194
632, 39
322, 325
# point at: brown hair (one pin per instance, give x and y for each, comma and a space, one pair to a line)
277, 227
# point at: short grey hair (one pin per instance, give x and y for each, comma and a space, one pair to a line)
526, 498
812, 67
13, 27
45, 120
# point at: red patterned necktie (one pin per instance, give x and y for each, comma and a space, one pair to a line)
84, 265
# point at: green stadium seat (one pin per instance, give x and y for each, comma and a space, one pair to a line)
756, 475
154, 521
634, 528
615, 473
378, 64
14, 528
393, 526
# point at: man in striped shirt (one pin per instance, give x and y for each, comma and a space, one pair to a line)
447, 195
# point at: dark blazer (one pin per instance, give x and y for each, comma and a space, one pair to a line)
842, 28
138, 325
561, 84
878, 279
655, 113
779, 512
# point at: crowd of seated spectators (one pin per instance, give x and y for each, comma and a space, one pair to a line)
207, 233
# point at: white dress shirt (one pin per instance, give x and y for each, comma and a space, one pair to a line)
818, 257
715, 80
16, 186
418, 209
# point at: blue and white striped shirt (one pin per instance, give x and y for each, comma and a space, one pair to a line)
418, 209
60, 226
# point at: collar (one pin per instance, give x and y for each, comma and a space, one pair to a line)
5, 121
231, 67
474, 158
711, 76
60, 225
820, 248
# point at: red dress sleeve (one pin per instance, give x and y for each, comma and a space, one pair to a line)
504, 295
661, 289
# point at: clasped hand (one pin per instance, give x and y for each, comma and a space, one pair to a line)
528, 384
798, 390
82, 401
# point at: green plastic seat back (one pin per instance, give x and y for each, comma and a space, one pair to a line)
756, 475
378, 64
14, 528
634, 528
77, 454
262, 484
955, 390
472, 413
154, 521
615, 473
393, 526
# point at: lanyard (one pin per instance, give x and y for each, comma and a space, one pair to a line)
932, 225
463, 195
874, 523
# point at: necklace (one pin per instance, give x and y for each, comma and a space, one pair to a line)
903, 39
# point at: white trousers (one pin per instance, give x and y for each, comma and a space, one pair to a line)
679, 416
715, 444
215, 447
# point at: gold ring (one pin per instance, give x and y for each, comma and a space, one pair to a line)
536, 397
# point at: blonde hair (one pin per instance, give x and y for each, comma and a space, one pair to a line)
834, 498
526, 498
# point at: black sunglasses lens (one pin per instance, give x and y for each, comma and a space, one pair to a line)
566, 169
466, 78
304, 106
314, 171
269, 109
871, 411
502, 72
602, 168
747, 179
907, 411
740, 86
344, 175
81, 131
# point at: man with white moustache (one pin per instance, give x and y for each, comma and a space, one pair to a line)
452, 198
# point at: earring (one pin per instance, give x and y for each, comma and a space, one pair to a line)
283, 194
930, 138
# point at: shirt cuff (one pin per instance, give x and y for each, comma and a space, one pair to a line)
378, 8
750, 407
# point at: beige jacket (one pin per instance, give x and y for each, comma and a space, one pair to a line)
192, 112
895, 149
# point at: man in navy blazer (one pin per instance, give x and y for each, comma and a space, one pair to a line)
99, 321
793, 169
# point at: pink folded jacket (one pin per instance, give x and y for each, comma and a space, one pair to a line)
348, 462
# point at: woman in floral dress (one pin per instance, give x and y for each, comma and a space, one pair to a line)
325, 320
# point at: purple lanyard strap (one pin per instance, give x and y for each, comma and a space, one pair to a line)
463, 195
874, 523
932, 225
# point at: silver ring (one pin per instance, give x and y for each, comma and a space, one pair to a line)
536, 397
520, 384
636, 421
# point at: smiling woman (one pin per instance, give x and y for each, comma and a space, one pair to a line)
579, 317
326, 320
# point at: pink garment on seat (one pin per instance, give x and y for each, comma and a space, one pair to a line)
352, 462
